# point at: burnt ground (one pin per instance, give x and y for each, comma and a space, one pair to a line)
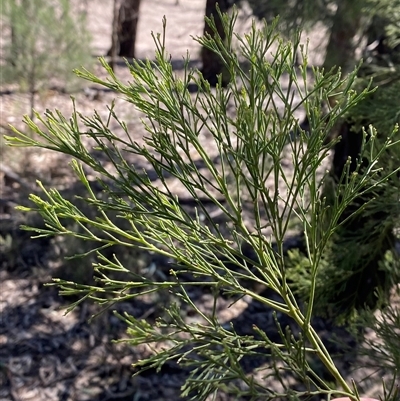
45, 354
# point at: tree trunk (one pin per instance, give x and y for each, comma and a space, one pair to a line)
124, 29
345, 36
113, 52
212, 65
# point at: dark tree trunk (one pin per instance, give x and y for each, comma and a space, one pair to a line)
113, 52
344, 37
125, 28
212, 65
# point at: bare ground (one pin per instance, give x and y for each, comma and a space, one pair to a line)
45, 355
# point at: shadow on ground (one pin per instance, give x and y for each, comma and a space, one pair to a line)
49, 356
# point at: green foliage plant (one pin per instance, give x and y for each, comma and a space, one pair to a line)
382, 349
251, 144
349, 280
46, 41
351, 24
